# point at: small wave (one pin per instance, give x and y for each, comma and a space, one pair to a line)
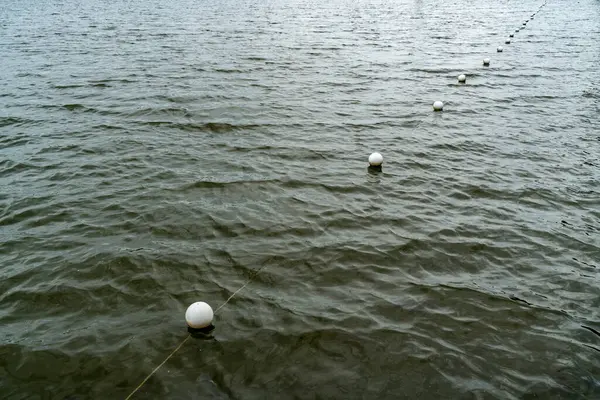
9, 167
28, 211
220, 185
230, 70
13, 121
78, 107
154, 111
213, 127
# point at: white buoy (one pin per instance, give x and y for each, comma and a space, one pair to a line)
199, 315
438, 105
462, 78
517, 30
512, 35
507, 41
375, 160
499, 49
486, 61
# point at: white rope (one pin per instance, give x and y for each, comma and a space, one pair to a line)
221, 306
254, 274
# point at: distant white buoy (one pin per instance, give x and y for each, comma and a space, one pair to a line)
499, 49
517, 30
462, 78
512, 35
438, 105
375, 160
507, 41
486, 61
199, 315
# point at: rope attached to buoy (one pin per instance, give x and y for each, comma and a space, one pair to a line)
250, 279
375, 160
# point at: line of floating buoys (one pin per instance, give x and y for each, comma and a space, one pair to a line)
376, 159
199, 315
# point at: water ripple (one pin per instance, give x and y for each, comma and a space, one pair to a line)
153, 155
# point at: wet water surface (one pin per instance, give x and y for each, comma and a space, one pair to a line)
155, 154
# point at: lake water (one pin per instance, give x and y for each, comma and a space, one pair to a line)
154, 154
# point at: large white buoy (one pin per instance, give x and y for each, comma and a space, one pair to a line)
199, 315
499, 49
512, 35
438, 105
507, 41
486, 61
462, 78
375, 160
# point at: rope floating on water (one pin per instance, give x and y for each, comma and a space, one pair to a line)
158, 367
486, 62
250, 279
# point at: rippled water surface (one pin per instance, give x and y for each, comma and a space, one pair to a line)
153, 154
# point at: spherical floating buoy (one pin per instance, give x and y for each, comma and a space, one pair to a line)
512, 35
375, 160
199, 315
507, 41
499, 49
438, 105
486, 61
462, 78
517, 30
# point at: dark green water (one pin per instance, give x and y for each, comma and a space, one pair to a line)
153, 154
